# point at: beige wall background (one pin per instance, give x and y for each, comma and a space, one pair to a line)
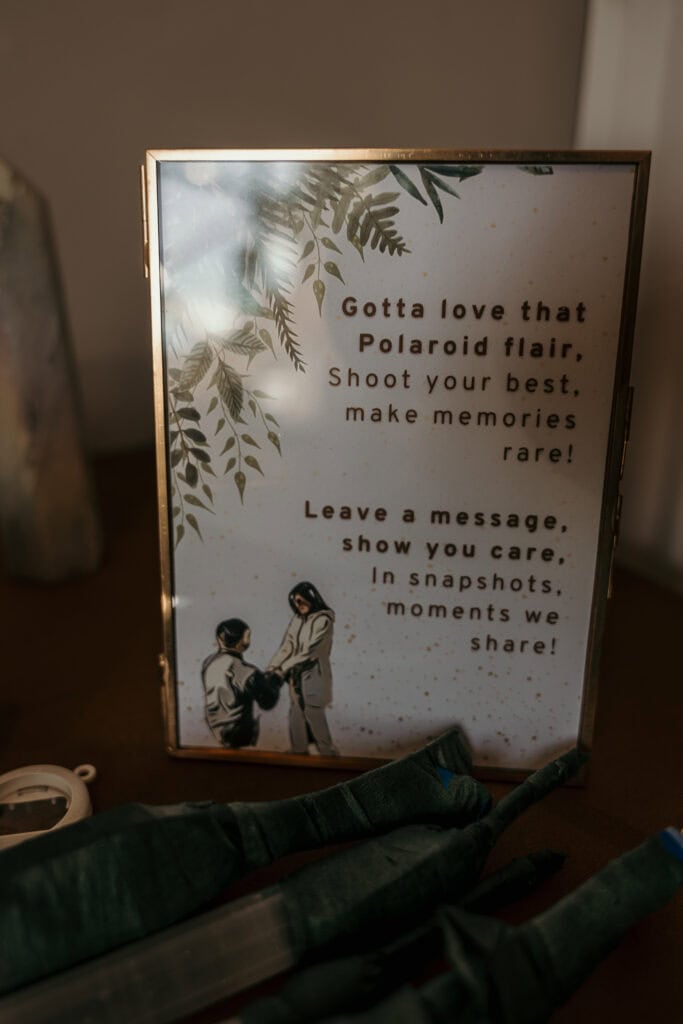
630, 95
87, 86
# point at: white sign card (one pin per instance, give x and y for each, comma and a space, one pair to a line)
391, 394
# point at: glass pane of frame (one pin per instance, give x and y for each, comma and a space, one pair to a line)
391, 398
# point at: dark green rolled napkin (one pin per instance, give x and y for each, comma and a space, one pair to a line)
120, 875
513, 881
432, 785
357, 894
355, 982
545, 960
393, 880
505, 975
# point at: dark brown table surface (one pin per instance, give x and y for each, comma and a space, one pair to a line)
81, 684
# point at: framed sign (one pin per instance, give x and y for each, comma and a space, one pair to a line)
391, 405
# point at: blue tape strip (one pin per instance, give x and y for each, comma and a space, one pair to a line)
445, 775
672, 841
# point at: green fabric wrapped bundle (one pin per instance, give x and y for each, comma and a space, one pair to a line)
505, 975
118, 876
391, 881
355, 982
431, 786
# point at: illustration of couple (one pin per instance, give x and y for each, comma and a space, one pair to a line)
232, 686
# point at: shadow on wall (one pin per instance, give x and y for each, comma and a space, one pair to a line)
632, 80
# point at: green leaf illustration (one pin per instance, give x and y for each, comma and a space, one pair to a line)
188, 413
189, 518
329, 244
374, 177
383, 199
405, 183
333, 269
179, 533
176, 456
253, 462
191, 474
274, 440
461, 171
197, 365
308, 249
245, 343
368, 221
196, 435
267, 339
428, 182
354, 220
271, 419
182, 396
229, 464
228, 445
208, 492
240, 481
213, 403
192, 499
248, 439
228, 383
219, 426
319, 292
444, 186
200, 454
283, 315
310, 269
249, 267
341, 209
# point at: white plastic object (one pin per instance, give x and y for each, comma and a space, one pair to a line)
47, 782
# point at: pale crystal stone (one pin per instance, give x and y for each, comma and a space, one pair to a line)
49, 528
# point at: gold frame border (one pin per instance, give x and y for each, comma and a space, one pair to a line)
617, 437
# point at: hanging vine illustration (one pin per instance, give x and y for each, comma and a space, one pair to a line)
293, 228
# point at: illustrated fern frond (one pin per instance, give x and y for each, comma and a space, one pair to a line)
245, 342
228, 383
275, 289
283, 314
367, 222
325, 184
197, 365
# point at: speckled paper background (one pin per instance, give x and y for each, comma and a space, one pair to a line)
490, 628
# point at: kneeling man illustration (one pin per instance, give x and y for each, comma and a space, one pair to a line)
232, 686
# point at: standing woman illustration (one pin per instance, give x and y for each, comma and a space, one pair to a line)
303, 660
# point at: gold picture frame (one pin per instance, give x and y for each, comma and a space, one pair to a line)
414, 176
